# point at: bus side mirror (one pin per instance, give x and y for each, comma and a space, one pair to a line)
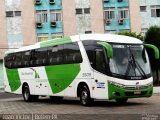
156, 50
108, 48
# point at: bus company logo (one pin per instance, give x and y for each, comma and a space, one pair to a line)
35, 73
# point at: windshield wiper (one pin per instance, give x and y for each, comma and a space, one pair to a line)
133, 64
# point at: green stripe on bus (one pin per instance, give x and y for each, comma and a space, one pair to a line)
57, 41
13, 79
61, 76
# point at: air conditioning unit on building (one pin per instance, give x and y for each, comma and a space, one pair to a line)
121, 21
38, 24
107, 22
119, 0
51, 1
106, 0
53, 23
37, 2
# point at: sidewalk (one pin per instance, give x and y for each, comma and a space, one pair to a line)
156, 90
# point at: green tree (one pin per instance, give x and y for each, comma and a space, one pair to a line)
153, 37
131, 34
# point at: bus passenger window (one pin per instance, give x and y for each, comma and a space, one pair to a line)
72, 53
26, 58
40, 57
55, 55
100, 61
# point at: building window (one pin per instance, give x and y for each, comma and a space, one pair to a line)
13, 13
86, 10
41, 16
143, 8
155, 11
9, 14
88, 32
79, 11
109, 14
56, 16
42, 37
123, 13
17, 13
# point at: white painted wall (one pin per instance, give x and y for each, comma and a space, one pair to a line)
83, 21
14, 24
145, 17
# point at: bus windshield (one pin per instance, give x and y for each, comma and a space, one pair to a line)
130, 61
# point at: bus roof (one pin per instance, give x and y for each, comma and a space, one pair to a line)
111, 38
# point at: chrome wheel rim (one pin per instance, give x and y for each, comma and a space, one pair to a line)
26, 94
84, 97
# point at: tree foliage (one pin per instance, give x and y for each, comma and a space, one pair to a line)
153, 37
131, 34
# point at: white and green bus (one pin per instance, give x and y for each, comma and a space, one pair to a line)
89, 66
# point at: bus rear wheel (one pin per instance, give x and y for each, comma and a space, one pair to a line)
122, 100
85, 98
27, 96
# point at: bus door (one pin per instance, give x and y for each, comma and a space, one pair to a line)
100, 78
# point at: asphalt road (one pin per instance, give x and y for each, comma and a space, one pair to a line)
8, 95
71, 109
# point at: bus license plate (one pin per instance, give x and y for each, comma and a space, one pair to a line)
137, 92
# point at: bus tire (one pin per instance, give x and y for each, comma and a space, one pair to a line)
122, 100
56, 98
27, 96
85, 98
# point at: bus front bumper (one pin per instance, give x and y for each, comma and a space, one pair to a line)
116, 92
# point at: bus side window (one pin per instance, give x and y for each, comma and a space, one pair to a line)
8, 61
100, 61
18, 60
55, 55
40, 57
32, 59
26, 59
72, 53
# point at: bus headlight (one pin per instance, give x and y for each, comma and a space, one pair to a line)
116, 84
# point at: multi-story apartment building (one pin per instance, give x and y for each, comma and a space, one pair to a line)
149, 14
17, 26
48, 19
3, 42
57, 18
119, 15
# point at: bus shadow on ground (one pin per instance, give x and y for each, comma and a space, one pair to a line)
103, 103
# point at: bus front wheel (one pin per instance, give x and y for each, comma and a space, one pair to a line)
122, 100
85, 96
27, 96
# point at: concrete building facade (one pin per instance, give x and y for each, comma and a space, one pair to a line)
48, 19
116, 14
149, 14
3, 39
